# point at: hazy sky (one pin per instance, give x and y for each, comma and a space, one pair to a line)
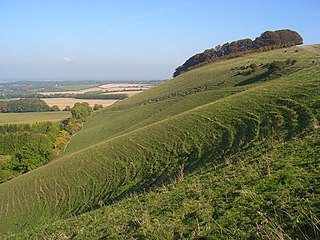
123, 40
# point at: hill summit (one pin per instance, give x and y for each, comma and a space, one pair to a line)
268, 40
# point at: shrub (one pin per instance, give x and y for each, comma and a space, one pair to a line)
276, 66
55, 108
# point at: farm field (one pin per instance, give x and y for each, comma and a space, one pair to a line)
124, 86
129, 93
32, 117
77, 87
112, 87
229, 154
63, 102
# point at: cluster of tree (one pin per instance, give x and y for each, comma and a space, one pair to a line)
38, 105
81, 111
100, 96
24, 105
27, 94
24, 147
267, 41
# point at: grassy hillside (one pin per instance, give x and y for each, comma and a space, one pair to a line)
185, 92
196, 125
233, 200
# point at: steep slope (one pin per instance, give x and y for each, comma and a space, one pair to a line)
133, 159
234, 200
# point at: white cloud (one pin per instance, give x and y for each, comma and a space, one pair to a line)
67, 60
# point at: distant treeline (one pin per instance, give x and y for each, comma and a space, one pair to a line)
268, 40
101, 96
24, 105
89, 95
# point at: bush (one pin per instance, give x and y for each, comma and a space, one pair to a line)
67, 108
55, 108
97, 107
276, 66
253, 66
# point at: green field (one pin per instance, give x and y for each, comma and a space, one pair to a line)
77, 87
211, 154
32, 117
7, 100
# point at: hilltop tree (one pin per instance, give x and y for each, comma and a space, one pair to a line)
268, 40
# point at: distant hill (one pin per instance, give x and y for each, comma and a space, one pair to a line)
267, 41
226, 151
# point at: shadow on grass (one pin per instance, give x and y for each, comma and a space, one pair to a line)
258, 78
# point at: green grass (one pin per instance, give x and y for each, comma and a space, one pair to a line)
218, 133
157, 103
77, 87
5, 100
221, 201
17, 118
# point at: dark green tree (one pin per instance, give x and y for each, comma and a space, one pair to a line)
81, 111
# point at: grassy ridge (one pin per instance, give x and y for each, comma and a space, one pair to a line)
176, 96
185, 92
142, 143
150, 155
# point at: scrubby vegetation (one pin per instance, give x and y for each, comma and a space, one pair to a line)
24, 147
200, 156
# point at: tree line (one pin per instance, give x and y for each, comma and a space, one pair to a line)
89, 95
24, 105
268, 40
33, 105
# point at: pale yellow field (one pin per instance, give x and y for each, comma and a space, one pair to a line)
63, 102
95, 89
129, 93
112, 87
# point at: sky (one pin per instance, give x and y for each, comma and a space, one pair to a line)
133, 39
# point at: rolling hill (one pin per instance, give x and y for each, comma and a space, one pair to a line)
228, 150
